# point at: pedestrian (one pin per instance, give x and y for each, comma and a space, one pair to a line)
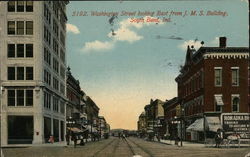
82, 140
51, 139
74, 138
158, 138
217, 140
123, 137
67, 138
119, 134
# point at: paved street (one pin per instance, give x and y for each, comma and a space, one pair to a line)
115, 147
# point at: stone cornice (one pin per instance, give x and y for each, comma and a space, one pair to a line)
227, 55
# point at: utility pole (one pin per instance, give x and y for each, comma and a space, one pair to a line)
181, 131
1, 90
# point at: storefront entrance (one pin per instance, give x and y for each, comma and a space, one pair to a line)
20, 129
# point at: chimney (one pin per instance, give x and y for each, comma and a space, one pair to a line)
223, 42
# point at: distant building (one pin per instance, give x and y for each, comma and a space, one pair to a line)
32, 61
76, 108
92, 111
104, 127
213, 81
170, 117
141, 125
154, 114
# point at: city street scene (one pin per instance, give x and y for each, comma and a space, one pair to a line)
124, 78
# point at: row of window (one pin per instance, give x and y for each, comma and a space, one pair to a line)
55, 104
47, 16
218, 76
20, 73
235, 101
20, 6
47, 77
48, 102
193, 84
55, 65
55, 28
55, 82
62, 88
195, 106
47, 56
55, 46
47, 13
55, 9
62, 14
47, 35
20, 27
62, 72
63, 21
62, 38
62, 55
20, 97
20, 50
47, 59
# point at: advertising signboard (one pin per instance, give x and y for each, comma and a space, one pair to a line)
238, 123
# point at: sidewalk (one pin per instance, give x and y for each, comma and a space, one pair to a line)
201, 145
184, 143
56, 144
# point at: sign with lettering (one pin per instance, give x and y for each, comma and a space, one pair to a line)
238, 123
178, 110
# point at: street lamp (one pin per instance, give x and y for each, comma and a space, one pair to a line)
181, 129
71, 122
182, 120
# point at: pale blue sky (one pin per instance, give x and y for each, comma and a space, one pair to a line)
122, 76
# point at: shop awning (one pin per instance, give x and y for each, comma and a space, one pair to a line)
213, 123
219, 101
197, 125
148, 131
76, 130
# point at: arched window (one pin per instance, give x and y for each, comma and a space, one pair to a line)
236, 102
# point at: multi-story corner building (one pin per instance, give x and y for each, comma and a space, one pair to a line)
32, 78
213, 81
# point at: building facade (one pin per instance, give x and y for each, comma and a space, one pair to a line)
33, 64
76, 106
170, 118
212, 81
93, 118
154, 117
104, 127
141, 125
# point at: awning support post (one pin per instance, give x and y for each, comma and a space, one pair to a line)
204, 127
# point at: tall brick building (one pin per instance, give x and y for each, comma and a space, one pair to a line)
214, 80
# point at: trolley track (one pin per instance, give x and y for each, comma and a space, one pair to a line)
103, 148
146, 151
115, 148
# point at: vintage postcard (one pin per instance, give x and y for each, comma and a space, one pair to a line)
124, 78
